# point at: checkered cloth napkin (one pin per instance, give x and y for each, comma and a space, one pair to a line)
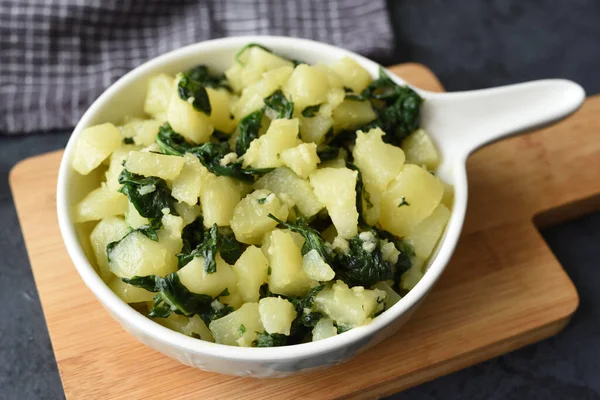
57, 56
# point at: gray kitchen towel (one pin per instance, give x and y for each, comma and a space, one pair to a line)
57, 56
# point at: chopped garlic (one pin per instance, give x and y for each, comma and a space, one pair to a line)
191, 100
217, 305
228, 159
143, 190
166, 211
369, 241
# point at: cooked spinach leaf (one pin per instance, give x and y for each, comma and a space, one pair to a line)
207, 249
312, 238
192, 235
171, 142
327, 153
277, 106
206, 244
248, 129
149, 195
229, 248
311, 111
128, 140
210, 155
202, 75
265, 339
195, 93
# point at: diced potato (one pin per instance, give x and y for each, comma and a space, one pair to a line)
413, 275
197, 280
323, 329
287, 275
152, 164
335, 97
133, 217
336, 188
238, 328
265, 152
420, 150
186, 186
115, 167
307, 86
108, 230
187, 326
129, 293
188, 213
137, 255
334, 80
338, 162
233, 300
250, 219
100, 203
379, 162
448, 196
425, 236
254, 62
172, 242
410, 198
185, 120
218, 198
302, 159
315, 129
353, 75
220, 115
316, 268
352, 114
391, 297
173, 224
253, 96
283, 181
276, 314
143, 131
94, 145
251, 272
160, 88
349, 307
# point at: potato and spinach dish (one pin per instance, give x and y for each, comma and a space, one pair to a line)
275, 204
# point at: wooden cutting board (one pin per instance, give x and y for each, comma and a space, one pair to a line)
502, 290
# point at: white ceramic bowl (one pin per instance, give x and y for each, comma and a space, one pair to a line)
458, 123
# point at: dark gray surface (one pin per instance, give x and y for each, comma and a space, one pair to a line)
469, 44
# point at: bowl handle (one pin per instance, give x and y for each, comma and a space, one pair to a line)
464, 121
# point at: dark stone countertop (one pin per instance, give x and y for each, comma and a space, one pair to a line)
469, 44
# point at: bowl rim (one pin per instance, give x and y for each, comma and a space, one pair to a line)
118, 307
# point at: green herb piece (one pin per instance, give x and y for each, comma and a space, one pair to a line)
265, 339
241, 330
269, 270
192, 235
327, 153
343, 328
403, 202
277, 106
171, 142
248, 129
261, 200
312, 238
148, 204
361, 193
202, 75
311, 111
229, 248
207, 250
128, 140
194, 92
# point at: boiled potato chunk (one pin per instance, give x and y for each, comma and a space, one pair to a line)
94, 145
379, 162
133, 217
100, 203
251, 219
188, 213
336, 188
287, 274
108, 230
302, 159
115, 167
186, 186
238, 328
323, 329
349, 307
137, 255
197, 280
353, 75
253, 96
448, 196
413, 275
251, 272
265, 152
426, 235
420, 150
315, 129
276, 314
307, 86
152, 164
218, 197
410, 198
316, 268
160, 88
254, 61
233, 300
220, 115
286, 184
352, 114
143, 132
129, 293
187, 326
187, 121
391, 297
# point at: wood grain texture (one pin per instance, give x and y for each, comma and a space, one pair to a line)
502, 290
